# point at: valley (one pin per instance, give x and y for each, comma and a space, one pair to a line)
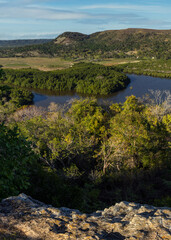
102, 136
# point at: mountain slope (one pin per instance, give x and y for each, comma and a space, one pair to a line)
113, 43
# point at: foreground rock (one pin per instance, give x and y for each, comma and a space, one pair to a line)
22, 217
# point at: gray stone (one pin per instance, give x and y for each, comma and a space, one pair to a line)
22, 217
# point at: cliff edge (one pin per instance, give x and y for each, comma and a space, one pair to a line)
22, 217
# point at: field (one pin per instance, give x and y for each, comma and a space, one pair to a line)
116, 61
49, 64
41, 63
155, 68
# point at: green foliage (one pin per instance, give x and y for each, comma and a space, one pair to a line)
21, 97
50, 187
89, 115
5, 92
92, 155
143, 186
64, 141
83, 77
17, 96
154, 68
141, 43
137, 142
0, 71
16, 158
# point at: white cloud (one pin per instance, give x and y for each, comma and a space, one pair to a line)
108, 6
39, 13
147, 8
29, 35
37, 35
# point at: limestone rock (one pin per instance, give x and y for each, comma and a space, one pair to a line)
22, 217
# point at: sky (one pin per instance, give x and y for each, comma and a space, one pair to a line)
33, 19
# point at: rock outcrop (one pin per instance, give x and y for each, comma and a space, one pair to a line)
22, 217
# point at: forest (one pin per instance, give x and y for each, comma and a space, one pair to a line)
87, 155
85, 78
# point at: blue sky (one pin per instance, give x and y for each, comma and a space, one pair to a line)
25, 19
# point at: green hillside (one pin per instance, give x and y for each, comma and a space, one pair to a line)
139, 43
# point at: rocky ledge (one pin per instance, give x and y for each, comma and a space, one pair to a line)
22, 217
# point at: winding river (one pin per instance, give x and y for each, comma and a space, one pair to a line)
139, 86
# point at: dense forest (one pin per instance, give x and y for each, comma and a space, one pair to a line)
87, 155
136, 43
85, 78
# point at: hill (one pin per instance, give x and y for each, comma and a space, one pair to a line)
131, 42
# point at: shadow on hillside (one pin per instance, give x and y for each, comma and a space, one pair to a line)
11, 233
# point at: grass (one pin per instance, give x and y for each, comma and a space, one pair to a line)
116, 61
49, 64
41, 63
160, 68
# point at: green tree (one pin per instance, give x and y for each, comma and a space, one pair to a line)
16, 158
135, 141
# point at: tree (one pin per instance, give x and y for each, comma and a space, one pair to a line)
135, 141
89, 115
16, 158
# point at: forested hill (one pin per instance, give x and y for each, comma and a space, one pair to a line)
113, 43
111, 37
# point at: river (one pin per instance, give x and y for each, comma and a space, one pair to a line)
139, 86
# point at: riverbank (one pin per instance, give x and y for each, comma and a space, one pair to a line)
139, 86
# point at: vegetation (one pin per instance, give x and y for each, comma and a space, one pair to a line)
17, 96
154, 68
16, 159
41, 63
91, 155
82, 77
13, 98
141, 43
87, 155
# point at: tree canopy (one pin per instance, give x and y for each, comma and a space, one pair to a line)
85, 78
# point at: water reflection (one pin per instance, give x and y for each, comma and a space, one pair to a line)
138, 86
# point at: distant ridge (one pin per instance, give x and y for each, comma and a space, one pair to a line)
131, 42
23, 42
113, 35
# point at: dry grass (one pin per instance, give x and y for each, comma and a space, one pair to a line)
49, 64
116, 61
41, 63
